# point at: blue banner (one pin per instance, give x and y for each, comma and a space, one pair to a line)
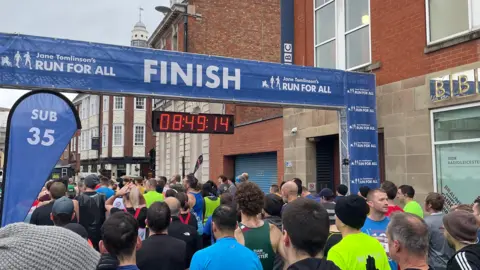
362, 132
40, 126
287, 17
30, 62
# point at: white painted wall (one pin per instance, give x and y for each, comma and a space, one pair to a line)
139, 151
139, 117
117, 151
118, 117
170, 145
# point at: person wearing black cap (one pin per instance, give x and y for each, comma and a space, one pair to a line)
92, 209
63, 214
461, 233
355, 247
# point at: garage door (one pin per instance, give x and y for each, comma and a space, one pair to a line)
261, 168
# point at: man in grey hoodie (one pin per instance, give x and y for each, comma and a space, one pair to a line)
439, 252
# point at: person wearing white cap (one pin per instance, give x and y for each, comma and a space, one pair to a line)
26, 246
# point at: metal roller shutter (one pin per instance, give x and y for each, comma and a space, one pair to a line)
261, 168
324, 165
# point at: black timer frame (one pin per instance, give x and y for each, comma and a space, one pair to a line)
157, 118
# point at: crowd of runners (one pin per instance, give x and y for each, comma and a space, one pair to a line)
172, 224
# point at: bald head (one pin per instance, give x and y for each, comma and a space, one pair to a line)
174, 205
290, 188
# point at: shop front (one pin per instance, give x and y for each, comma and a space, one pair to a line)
429, 128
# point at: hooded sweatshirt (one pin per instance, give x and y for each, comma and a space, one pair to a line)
313, 264
466, 258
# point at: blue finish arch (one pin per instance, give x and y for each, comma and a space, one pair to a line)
30, 62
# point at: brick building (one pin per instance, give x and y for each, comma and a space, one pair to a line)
418, 50
240, 29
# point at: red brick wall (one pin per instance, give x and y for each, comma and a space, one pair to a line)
248, 29
398, 41
265, 136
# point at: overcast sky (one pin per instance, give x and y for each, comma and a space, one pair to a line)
105, 21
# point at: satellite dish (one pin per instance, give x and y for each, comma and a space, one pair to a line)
163, 9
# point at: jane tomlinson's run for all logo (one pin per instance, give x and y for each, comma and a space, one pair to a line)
19, 60
296, 84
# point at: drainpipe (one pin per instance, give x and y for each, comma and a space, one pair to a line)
185, 49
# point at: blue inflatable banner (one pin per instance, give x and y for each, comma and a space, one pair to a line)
362, 132
37, 62
40, 126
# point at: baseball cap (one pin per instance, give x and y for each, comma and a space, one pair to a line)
91, 181
63, 205
326, 192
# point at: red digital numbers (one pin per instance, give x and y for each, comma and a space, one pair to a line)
177, 122
190, 122
202, 122
222, 123
164, 121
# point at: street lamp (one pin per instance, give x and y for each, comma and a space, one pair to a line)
166, 11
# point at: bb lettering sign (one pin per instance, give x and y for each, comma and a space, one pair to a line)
455, 86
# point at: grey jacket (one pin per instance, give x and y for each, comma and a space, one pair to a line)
439, 252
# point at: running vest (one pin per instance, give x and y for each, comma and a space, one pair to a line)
258, 240
210, 206
198, 210
142, 232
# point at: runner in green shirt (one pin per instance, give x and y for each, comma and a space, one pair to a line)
355, 247
152, 195
405, 195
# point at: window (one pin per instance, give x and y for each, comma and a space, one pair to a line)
80, 144
93, 134
106, 100
82, 111
118, 103
86, 106
85, 138
456, 144
117, 135
342, 34
93, 105
105, 136
447, 19
139, 135
140, 103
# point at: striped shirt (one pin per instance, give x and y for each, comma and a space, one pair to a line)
467, 258
330, 207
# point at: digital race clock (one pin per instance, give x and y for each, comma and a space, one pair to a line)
192, 123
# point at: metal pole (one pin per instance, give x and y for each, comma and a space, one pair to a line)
185, 49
